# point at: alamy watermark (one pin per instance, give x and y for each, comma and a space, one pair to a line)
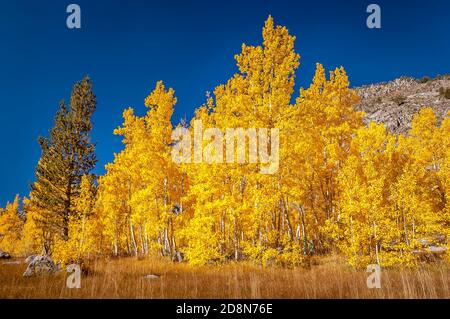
262, 148
374, 279
374, 19
73, 21
74, 279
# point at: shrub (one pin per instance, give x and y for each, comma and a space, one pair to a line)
399, 99
425, 79
444, 92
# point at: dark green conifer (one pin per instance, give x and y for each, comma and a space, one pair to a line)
67, 155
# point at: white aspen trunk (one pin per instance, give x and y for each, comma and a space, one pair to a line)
141, 235
146, 240
166, 242
133, 239
376, 243
81, 243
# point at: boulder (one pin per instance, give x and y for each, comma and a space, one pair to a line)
437, 249
40, 265
30, 258
424, 242
151, 276
4, 255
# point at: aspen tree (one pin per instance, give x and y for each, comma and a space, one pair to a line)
11, 228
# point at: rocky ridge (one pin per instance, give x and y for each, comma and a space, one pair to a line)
394, 103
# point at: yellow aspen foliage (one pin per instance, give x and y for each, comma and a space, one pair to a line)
242, 207
82, 228
143, 187
366, 233
11, 228
444, 178
33, 236
419, 192
112, 207
392, 195
321, 127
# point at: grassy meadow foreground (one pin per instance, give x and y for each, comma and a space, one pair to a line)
124, 278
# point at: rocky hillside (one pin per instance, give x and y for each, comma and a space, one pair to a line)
394, 103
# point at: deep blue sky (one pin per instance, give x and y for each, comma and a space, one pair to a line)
126, 46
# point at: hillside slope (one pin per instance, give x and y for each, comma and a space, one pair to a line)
394, 103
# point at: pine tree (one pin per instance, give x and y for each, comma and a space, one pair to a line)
67, 155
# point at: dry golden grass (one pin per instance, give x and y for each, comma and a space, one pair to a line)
123, 278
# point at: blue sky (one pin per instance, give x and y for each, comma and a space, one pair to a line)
126, 46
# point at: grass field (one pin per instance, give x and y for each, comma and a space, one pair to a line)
124, 278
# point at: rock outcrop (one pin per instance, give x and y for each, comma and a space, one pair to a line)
151, 276
4, 255
395, 103
40, 265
